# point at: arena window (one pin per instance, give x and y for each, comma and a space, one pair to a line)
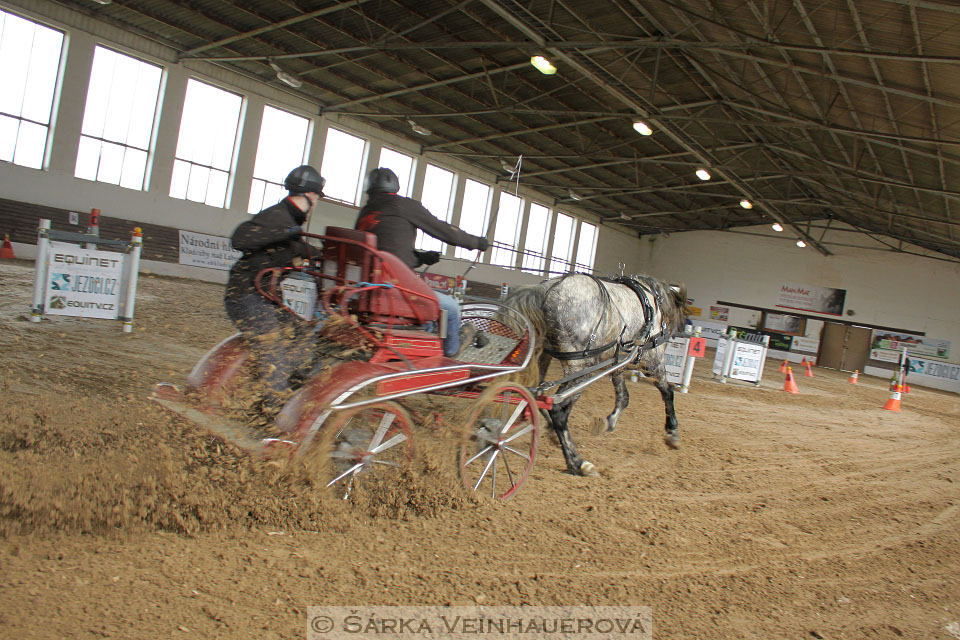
507, 231
535, 244
206, 144
437, 197
118, 119
474, 214
586, 247
30, 56
343, 156
402, 165
562, 249
282, 146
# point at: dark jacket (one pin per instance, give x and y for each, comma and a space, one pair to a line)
395, 219
266, 241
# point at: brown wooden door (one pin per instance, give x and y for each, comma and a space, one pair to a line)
856, 350
831, 345
844, 347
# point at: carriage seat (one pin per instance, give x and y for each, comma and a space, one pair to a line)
351, 256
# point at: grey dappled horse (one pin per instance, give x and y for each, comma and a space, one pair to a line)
581, 320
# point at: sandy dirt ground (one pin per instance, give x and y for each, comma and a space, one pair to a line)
817, 515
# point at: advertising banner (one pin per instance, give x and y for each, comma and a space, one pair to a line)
201, 250
782, 323
720, 314
916, 345
439, 282
83, 282
817, 299
934, 369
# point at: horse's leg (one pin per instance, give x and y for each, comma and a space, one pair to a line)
558, 418
672, 437
622, 398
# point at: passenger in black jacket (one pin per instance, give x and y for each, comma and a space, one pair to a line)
395, 220
279, 340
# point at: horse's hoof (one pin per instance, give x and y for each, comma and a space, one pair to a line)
589, 469
672, 440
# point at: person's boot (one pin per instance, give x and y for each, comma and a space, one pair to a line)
468, 332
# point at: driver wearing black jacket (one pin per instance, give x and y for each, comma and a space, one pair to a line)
280, 342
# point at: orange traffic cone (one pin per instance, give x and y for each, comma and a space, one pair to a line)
893, 404
906, 387
783, 367
809, 368
7, 250
790, 385
855, 377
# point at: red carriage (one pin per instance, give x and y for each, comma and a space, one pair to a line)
372, 356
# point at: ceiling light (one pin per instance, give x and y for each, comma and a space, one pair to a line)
573, 195
543, 65
287, 78
642, 128
703, 174
746, 204
103, 1
777, 226
419, 128
624, 216
801, 244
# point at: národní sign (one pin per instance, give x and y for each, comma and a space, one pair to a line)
202, 250
74, 280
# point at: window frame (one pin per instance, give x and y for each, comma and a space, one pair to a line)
278, 187
55, 92
469, 254
581, 265
536, 261
332, 180
102, 141
565, 260
501, 247
426, 242
406, 183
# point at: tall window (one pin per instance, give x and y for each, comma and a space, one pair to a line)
401, 164
586, 247
535, 245
118, 119
343, 156
507, 231
29, 64
208, 137
437, 198
281, 148
474, 213
562, 244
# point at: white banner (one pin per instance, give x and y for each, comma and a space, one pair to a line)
722, 343
919, 345
82, 282
674, 358
747, 361
809, 345
201, 250
818, 299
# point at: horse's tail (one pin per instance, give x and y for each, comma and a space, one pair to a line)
528, 301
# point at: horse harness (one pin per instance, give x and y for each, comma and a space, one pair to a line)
643, 341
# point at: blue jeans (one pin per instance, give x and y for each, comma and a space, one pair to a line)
451, 344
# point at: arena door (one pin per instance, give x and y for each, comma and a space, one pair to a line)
844, 347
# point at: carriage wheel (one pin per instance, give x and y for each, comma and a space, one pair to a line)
499, 441
365, 443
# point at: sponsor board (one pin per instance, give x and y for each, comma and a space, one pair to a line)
720, 314
299, 294
915, 345
82, 282
439, 282
747, 361
202, 250
674, 358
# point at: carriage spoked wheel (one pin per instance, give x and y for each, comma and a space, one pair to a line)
499, 441
365, 445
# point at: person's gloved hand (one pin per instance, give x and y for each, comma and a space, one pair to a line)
426, 257
293, 232
483, 245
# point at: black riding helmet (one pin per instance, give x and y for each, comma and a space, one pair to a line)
304, 179
382, 181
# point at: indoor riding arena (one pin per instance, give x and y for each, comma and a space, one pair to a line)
757, 201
